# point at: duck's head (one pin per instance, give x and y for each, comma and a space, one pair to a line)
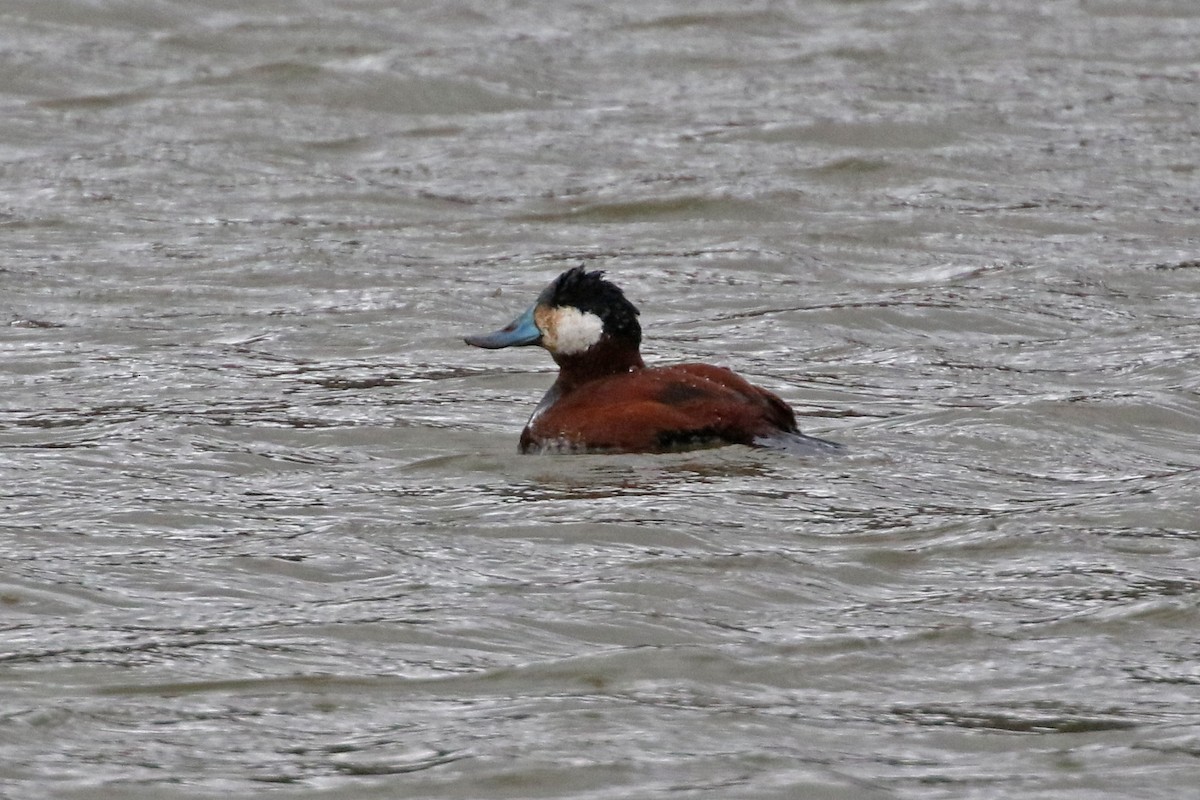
576, 312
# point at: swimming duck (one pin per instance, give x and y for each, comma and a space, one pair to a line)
607, 400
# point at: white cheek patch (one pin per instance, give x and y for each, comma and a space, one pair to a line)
574, 331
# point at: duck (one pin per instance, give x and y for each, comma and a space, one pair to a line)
606, 400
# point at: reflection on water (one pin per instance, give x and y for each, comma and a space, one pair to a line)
264, 521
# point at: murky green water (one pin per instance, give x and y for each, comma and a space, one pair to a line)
264, 527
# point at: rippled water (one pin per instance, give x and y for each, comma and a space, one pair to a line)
264, 525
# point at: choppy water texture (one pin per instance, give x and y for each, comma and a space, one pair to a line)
264, 528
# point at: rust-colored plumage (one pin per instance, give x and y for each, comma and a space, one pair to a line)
655, 409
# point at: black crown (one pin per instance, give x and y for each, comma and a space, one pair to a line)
588, 291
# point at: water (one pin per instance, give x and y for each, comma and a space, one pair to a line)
264, 525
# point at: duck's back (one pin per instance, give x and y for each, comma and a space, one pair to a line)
657, 409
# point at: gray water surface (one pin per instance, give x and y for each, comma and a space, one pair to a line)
264, 527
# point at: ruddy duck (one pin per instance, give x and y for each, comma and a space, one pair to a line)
606, 400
